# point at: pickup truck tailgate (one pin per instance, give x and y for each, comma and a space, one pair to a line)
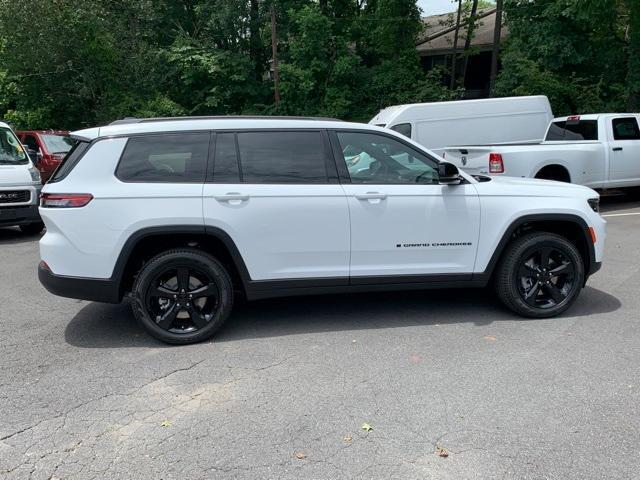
473, 160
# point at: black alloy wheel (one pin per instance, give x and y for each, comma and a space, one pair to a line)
182, 299
546, 277
182, 296
539, 275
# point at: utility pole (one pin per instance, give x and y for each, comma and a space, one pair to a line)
454, 59
274, 53
497, 32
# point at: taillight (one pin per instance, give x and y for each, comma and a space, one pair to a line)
65, 200
495, 163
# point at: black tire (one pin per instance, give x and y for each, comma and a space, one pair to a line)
171, 313
526, 283
32, 228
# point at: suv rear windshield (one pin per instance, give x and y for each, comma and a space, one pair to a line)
57, 143
11, 150
576, 130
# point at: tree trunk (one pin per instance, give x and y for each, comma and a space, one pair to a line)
454, 57
633, 74
274, 52
497, 31
467, 41
255, 44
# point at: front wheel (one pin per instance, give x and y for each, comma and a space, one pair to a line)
182, 296
540, 275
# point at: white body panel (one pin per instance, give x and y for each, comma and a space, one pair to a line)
602, 163
404, 233
438, 125
284, 231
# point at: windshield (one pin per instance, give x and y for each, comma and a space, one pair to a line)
58, 143
11, 151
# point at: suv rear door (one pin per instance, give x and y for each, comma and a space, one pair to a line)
405, 227
276, 193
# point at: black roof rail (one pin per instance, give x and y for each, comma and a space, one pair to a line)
132, 120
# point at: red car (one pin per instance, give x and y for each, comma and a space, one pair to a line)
46, 148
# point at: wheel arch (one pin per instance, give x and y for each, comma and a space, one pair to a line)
573, 227
554, 169
146, 243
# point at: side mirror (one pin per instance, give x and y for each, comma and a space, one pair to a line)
448, 174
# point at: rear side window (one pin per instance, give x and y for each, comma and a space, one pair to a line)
573, 130
172, 158
282, 157
625, 129
70, 160
403, 129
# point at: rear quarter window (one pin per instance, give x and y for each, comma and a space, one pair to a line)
70, 160
573, 131
171, 158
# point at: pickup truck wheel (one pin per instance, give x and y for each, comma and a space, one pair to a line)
182, 296
540, 275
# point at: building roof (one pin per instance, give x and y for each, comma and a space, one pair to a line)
440, 30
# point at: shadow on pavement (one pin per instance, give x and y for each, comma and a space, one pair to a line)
113, 326
13, 235
610, 203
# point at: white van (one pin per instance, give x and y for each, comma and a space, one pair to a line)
19, 185
495, 121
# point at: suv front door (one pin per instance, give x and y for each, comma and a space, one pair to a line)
405, 227
276, 194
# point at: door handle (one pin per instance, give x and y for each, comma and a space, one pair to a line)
371, 196
617, 149
233, 196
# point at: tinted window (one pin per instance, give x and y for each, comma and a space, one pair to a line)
282, 157
225, 163
69, 161
31, 143
573, 130
403, 128
174, 158
625, 129
372, 158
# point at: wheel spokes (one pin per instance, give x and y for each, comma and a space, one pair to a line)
545, 257
209, 290
183, 279
532, 292
555, 292
565, 268
162, 292
197, 317
169, 316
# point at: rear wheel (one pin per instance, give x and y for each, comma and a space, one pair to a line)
540, 275
32, 228
182, 296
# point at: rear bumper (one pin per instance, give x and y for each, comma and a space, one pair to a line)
20, 215
92, 289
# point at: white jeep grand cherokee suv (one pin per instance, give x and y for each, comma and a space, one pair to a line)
182, 213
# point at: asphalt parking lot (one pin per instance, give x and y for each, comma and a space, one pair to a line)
283, 391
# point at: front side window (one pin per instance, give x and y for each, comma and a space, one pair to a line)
373, 158
172, 158
11, 150
282, 157
625, 129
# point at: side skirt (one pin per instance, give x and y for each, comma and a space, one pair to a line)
257, 290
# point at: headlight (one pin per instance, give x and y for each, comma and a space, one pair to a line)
35, 175
594, 203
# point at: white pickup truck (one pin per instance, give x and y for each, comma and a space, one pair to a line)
599, 150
